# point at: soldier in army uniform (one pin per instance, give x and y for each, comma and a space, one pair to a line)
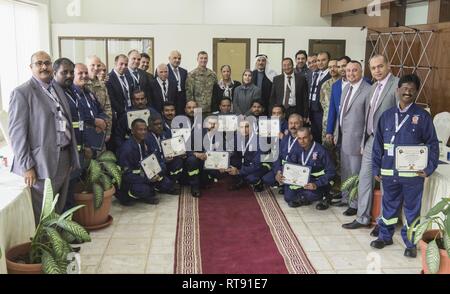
200, 83
99, 89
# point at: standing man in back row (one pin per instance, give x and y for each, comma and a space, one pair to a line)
200, 83
178, 75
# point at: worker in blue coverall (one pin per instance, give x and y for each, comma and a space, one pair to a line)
323, 171
171, 167
246, 164
404, 125
121, 131
135, 184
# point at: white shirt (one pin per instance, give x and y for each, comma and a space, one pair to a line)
344, 83
355, 89
292, 102
160, 82
177, 76
383, 84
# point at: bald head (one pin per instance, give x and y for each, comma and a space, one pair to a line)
81, 75
162, 71
354, 72
175, 58
41, 66
94, 65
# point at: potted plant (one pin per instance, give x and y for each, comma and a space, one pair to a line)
434, 243
49, 251
95, 191
351, 186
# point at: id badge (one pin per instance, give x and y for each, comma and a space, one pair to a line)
314, 97
81, 128
291, 101
390, 150
62, 125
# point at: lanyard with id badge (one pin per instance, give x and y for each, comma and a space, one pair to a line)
75, 101
397, 129
61, 122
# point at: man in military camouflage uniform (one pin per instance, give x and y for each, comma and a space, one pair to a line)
200, 83
99, 89
325, 97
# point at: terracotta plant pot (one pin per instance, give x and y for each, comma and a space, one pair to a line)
21, 268
376, 205
444, 267
88, 216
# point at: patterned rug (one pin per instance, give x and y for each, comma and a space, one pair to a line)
237, 232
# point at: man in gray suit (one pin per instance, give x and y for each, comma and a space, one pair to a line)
382, 97
42, 137
351, 126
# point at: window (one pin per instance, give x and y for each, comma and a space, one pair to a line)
22, 27
78, 49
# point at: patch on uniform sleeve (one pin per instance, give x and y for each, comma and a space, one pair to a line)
415, 119
314, 155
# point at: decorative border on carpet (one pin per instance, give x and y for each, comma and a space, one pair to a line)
187, 244
294, 256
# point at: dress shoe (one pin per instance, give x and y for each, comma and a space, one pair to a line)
354, 225
411, 252
322, 205
350, 212
294, 204
258, 188
380, 244
150, 200
375, 231
339, 204
195, 191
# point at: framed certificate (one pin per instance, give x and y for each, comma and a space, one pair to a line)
269, 127
185, 133
173, 147
142, 114
151, 166
411, 158
296, 175
217, 160
228, 123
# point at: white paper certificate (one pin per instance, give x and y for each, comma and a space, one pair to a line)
269, 127
227, 123
295, 174
151, 166
173, 147
185, 133
411, 158
142, 114
217, 160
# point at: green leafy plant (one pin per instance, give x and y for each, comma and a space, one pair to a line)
439, 217
351, 186
102, 173
54, 234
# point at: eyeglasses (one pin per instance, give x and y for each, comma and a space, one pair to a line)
42, 63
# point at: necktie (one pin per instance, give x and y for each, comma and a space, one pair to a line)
373, 108
165, 90
178, 78
287, 93
313, 86
346, 103
136, 74
125, 92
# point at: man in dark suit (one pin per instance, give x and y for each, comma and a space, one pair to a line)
290, 90
315, 82
163, 89
138, 76
120, 87
178, 76
263, 78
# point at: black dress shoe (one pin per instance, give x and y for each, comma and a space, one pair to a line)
350, 212
322, 205
294, 204
375, 231
354, 225
258, 188
380, 244
195, 191
411, 252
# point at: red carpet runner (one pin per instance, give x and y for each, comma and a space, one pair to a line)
236, 233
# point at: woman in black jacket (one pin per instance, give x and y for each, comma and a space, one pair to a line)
224, 88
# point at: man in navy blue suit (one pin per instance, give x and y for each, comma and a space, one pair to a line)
178, 76
138, 76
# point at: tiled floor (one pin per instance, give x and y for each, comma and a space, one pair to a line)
142, 240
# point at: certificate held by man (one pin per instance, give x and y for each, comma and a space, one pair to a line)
269, 128
296, 175
133, 115
173, 147
185, 133
227, 123
151, 166
411, 158
217, 160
